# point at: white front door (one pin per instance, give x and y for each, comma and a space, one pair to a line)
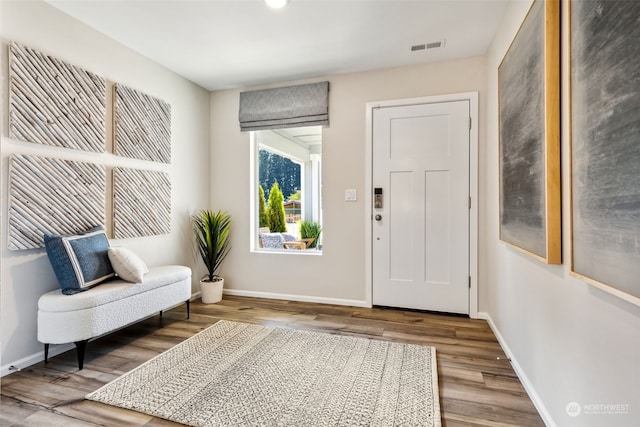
420, 233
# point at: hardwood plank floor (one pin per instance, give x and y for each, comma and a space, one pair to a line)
476, 388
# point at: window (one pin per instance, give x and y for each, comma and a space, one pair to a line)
286, 202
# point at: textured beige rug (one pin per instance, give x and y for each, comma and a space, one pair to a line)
237, 374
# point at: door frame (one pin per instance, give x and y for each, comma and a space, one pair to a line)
472, 97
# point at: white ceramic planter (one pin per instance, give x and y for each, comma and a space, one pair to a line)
212, 291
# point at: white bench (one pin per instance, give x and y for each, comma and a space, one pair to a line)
112, 305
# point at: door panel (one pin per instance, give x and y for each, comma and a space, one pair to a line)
401, 226
437, 226
421, 242
407, 132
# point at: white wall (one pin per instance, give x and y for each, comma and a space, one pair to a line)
27, 274
571, 341
339, 274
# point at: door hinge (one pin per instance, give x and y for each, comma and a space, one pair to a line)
469, 123
469, 282
469, 202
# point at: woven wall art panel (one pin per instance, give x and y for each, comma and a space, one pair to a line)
52, 196
55, 103
141, 203
142, 125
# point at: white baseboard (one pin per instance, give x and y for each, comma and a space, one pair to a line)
524, 379
301, 298
32, 359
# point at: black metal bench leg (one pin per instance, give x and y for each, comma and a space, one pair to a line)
188, 302
46, 353
80, 348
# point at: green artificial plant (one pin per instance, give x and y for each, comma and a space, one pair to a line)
212, 238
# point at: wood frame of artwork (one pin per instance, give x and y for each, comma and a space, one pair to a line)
605, 146
529, 121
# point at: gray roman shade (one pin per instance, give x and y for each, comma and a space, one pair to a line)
285, 107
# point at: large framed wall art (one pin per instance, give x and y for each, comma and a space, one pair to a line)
142, 125
62, 105
141, 203
55, 103
529, 105
605, 145
56, 196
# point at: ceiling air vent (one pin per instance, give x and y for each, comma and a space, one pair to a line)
425, 46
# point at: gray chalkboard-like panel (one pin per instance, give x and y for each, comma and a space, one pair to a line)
528, 81
141, 203
142, 125
52, 196
605, 144
55, 103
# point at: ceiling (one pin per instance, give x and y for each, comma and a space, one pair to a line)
308, 137
221, 44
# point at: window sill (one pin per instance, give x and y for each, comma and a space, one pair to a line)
311, 252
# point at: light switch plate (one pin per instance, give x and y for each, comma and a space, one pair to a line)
351, 195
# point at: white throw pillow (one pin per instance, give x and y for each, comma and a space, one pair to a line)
127, 264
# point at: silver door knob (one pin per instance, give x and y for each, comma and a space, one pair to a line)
378, 217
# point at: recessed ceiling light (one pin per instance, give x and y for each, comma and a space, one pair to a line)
276, 4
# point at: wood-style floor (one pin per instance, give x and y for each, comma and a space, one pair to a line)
476, 388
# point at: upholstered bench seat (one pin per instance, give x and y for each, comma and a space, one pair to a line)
109, 306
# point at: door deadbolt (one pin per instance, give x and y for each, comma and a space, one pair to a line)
377, 198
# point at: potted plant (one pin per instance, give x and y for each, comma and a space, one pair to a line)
310, 230
212, 239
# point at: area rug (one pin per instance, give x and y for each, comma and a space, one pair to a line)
238, 374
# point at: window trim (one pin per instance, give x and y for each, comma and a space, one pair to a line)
253, 201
